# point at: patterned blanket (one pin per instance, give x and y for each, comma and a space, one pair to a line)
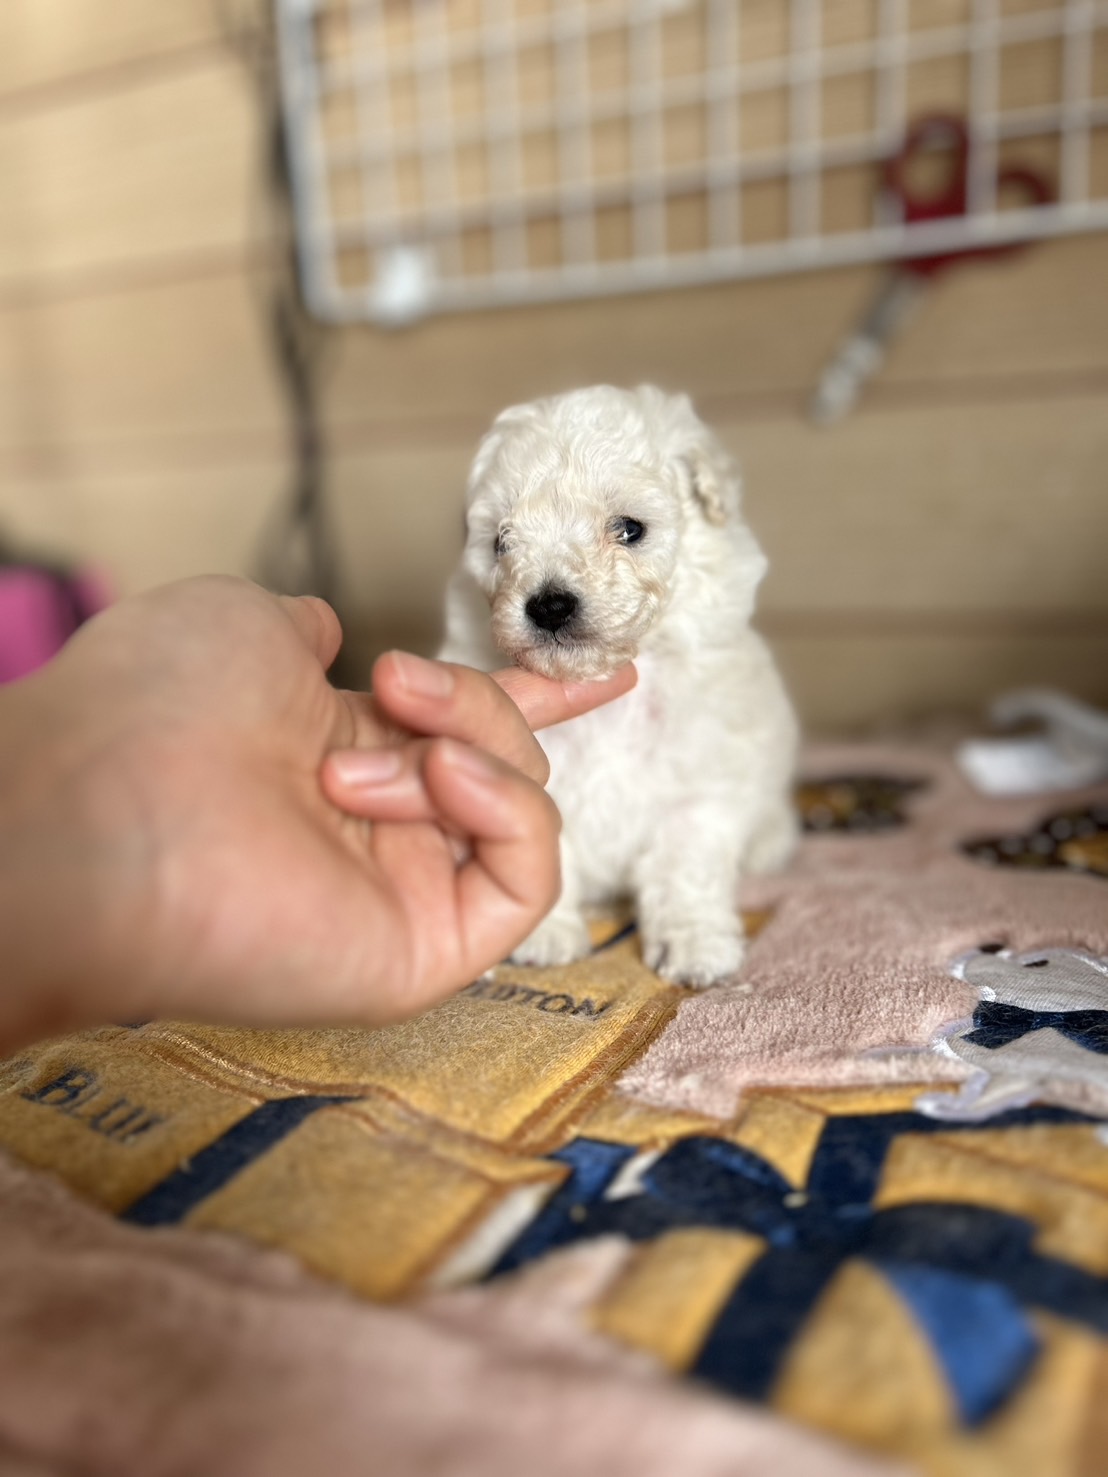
856, 1203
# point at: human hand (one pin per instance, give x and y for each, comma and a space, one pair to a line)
171, 837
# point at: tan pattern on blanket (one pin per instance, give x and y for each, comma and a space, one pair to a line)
736, 1185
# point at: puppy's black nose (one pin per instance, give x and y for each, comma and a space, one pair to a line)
550, 610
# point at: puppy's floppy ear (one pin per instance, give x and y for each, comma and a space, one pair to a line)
711, 476
705, 471
493, 439
713, 482
483, 458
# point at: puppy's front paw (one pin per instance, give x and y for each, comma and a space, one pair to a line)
561, 938
692, 956
774, 842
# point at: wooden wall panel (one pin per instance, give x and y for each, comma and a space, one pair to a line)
762, 343
738, 340
927, 514
17, 226
947, 540
15, 428
929, 519
162, 167
854, 685
148, 372
51, 42
144, 532
44, 517
864, 666
1035, 312
186, 356
187, 527
935, 508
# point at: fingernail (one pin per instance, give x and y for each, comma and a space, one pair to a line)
469, 762
360, 769
571, 689
426, 679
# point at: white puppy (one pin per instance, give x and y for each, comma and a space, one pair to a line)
604, 526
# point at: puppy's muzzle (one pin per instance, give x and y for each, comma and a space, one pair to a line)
551, 610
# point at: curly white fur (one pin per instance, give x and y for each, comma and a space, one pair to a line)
670, 792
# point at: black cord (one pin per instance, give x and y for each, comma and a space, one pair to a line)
295, 554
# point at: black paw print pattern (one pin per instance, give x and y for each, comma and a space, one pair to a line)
1074, 840
854, 802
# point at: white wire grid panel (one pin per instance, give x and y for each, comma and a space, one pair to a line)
453, 154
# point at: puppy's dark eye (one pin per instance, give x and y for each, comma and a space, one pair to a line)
498, 545
628, 530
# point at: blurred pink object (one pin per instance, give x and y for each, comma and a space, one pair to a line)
39, 610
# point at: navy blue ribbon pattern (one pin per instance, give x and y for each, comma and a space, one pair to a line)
969, 1273
170, 1201
997, 1024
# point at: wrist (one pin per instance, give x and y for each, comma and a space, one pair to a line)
52, 903
22, 1001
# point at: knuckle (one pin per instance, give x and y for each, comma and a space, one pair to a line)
552, 816
542, 763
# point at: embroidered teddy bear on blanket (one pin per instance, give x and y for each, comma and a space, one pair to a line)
1042, 1017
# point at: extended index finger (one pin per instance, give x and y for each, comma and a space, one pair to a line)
544, 702
441, 700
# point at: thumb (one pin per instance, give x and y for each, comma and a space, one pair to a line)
316, 624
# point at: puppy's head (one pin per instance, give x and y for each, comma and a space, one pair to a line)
585, 511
